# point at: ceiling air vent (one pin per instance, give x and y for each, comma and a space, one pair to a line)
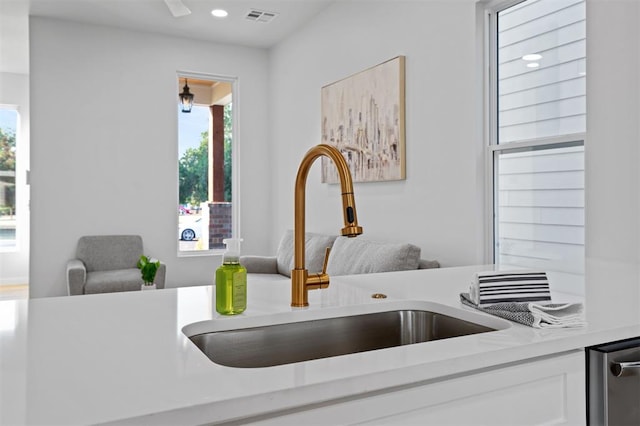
260, 15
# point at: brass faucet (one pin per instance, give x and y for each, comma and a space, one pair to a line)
301, 280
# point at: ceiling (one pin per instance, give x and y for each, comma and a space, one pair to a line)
154, 16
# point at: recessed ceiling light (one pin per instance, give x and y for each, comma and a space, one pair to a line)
532, 57
533, 65
219, 13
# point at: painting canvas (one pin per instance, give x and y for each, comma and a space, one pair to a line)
363, 116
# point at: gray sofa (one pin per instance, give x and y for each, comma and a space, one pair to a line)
349, 256
108, 263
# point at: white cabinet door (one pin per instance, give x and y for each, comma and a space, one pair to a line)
548, 390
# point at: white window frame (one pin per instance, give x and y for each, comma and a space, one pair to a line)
235, 160
493, 149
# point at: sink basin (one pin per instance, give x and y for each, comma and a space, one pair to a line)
286, 343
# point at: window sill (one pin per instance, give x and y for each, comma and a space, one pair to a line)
200, 253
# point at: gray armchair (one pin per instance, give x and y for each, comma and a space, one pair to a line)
106, 264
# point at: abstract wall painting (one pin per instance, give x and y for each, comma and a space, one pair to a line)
364, 117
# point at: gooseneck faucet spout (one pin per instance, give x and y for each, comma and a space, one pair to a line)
301, 280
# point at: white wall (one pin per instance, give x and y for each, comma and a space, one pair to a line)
439, 205
14, 265
104, 163
612, 157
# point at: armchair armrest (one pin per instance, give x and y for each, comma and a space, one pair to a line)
160, 275
76, 277
260, 264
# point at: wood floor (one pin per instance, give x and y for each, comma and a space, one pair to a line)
13, 292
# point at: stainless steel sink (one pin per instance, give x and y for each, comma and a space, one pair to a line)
287, 343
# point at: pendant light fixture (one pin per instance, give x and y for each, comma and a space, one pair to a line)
186, 98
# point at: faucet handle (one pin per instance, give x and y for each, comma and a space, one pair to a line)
326, 260
319, 280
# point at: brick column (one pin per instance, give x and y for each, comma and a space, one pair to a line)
219, 224
216, 154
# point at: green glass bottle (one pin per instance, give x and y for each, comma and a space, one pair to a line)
231, 281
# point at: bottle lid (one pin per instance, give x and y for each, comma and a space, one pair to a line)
233, 248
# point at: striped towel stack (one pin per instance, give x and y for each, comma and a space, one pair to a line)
549, 315
489, 288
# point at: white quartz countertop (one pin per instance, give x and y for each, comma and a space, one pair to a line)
123, 357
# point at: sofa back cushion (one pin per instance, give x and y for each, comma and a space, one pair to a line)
315, 245
109, 252
360, 256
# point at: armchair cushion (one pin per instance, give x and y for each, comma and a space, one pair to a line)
315, 245
361, 256
111, 281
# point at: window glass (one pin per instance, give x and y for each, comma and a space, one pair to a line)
541, 70
205, 155
540, 208
193, 166
538, 145
8, 126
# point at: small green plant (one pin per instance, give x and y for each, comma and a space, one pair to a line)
148, 269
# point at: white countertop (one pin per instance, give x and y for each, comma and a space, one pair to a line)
123, 357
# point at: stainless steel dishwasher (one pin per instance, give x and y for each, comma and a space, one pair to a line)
613, 383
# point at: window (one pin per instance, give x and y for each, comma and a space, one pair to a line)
206, 209
538, 123
8, 126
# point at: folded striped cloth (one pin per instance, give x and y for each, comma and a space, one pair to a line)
509, 286
555, 315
